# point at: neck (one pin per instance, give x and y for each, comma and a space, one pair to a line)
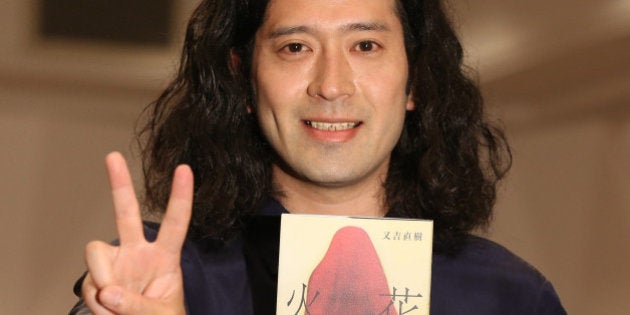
366, 198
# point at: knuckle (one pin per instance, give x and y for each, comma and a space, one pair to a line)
94, 246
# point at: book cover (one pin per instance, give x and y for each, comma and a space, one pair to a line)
354, 265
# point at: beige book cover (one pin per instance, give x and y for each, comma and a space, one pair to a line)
353, 265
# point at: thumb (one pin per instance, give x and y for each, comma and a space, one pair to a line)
127, 302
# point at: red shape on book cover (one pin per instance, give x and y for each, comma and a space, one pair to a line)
350, 278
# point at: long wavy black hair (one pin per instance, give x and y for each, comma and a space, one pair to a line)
445, 166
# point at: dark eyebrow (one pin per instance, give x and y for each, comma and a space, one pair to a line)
373, 26
289, 30
283, 31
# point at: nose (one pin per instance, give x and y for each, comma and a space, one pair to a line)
333, 77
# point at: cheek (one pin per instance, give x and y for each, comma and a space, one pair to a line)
390, 98
273, 101
386, 82
276, 86
391, 107
265, 92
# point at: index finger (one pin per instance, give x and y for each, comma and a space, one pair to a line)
175, 222
126, 208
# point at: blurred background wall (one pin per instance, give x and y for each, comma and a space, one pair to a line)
556, 75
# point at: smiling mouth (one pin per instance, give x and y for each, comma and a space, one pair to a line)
332, 126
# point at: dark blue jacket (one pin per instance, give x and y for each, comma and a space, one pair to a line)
241, 278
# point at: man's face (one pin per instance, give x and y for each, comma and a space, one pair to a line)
329, 80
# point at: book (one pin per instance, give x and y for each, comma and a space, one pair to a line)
354, 265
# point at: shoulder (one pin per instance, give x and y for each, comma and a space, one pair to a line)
482, 255
489, 279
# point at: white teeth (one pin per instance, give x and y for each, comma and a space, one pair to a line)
332, 126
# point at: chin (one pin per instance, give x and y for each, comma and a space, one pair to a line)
334, 179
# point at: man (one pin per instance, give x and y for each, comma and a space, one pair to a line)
350, 107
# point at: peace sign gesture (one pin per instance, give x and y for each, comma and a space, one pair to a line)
139, 277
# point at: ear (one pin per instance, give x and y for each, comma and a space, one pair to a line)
235, 62
411, 105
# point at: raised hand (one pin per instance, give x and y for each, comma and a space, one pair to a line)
139, 277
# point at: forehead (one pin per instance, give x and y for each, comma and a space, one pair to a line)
322, 14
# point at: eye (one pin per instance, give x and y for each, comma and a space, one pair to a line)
367, 46
294, 48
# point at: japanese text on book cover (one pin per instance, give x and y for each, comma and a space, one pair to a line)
352, 265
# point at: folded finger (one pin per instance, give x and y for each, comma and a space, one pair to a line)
126, 208
98, 259
175, 222
89, 292
126, 302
